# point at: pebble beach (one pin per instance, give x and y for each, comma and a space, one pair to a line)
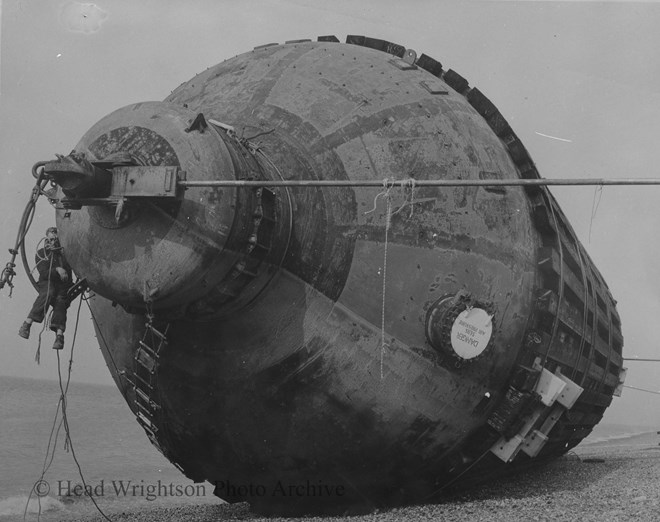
613, 480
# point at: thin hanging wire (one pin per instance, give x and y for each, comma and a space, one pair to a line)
594, 207
386, 193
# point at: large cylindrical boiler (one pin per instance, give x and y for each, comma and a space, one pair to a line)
338, 346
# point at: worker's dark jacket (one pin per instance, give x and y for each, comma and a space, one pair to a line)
52, 290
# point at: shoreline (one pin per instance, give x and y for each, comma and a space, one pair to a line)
604, 480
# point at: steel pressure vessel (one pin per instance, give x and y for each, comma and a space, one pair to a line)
323, 348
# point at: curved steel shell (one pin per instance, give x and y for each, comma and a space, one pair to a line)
335, 363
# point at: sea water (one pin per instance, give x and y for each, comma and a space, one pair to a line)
121, 469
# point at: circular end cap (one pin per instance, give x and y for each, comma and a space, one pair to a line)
152, 248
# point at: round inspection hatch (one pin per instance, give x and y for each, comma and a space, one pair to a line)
460, 326
470, 333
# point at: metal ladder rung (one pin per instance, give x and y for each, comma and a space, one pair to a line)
144, 381
156, 332
145, 375
148, 349
147, 360
148, 411
152, 437
143, 410
146, 422
149, 402
145, 402
150, 407
144, 396
154, 441
139, 394
147, 384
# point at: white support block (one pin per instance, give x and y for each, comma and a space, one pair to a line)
507, 450
570, 393
533, 443
549, 387
622, 379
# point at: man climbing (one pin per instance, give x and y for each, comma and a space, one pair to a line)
54, 281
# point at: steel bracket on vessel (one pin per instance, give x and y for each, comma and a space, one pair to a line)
150, 182
133, 182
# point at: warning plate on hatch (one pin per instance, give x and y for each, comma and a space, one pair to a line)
471, 332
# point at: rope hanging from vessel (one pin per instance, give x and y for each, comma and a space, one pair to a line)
388, 221
50, 448
70, 440
63, 421
386, 193
411, 183
598, 191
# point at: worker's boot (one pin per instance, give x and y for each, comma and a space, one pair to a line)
59, 342
24, 330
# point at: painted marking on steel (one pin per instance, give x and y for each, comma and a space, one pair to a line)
471, 332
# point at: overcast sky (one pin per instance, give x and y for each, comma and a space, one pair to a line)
585, 72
